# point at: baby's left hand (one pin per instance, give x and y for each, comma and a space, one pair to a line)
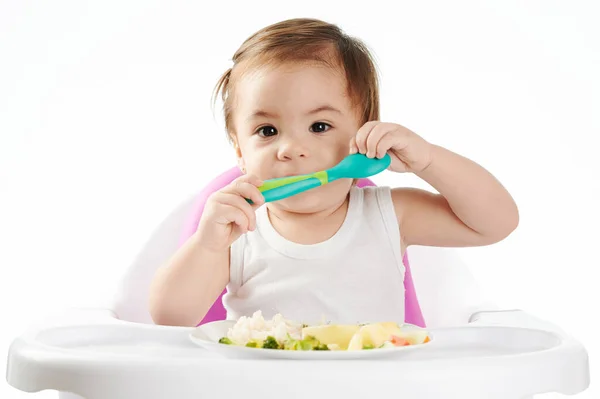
409, 151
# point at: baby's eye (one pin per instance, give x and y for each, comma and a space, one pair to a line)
267, 131
319, 127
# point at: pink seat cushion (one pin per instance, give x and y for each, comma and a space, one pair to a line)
413, 313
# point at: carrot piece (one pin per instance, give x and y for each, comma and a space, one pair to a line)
399, 341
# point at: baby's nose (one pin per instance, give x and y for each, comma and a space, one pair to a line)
291, 149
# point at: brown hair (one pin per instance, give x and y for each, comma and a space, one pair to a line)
306, 40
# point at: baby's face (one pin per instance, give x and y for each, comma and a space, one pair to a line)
292, 120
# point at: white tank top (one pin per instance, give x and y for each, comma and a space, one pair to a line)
356, 276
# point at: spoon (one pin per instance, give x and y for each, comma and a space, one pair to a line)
354, 166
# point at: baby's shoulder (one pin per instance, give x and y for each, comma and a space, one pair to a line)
398, 199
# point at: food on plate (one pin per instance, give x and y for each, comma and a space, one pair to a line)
283, 334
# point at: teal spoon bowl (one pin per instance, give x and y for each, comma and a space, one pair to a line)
355, 166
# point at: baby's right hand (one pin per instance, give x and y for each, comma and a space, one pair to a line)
227, 215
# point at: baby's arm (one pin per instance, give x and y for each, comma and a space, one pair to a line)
471, 209
185, 288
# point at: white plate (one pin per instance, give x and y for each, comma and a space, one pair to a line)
207, 336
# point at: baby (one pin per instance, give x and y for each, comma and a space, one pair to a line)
300, 97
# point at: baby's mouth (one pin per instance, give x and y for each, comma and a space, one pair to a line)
293, 175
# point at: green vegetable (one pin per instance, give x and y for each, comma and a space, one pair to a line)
271, 343
321, 347
291, 345
368, 347
306, 344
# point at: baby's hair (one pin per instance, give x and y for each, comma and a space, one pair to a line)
310, 41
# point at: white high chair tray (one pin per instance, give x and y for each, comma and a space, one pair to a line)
115, 359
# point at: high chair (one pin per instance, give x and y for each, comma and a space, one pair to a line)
478, 351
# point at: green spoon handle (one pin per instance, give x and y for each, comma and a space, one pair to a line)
281, 181
281, 192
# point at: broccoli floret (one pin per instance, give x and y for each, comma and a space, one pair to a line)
368, 347
225, 341
251, 345
311, 343
297, 345
306, 345
271, 343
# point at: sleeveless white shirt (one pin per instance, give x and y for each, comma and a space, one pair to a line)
356, 276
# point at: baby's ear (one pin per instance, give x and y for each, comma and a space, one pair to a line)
241, 165
238, 155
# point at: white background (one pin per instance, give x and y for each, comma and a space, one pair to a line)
106, 124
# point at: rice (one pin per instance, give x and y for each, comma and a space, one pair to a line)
256, 328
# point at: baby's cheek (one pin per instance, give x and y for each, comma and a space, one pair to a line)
338, 155
255, 168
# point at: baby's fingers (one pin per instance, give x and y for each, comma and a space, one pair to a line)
375, 137
252, 179
383, 146
353, 146
362, 134
231, 214
247, 189
236, 201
